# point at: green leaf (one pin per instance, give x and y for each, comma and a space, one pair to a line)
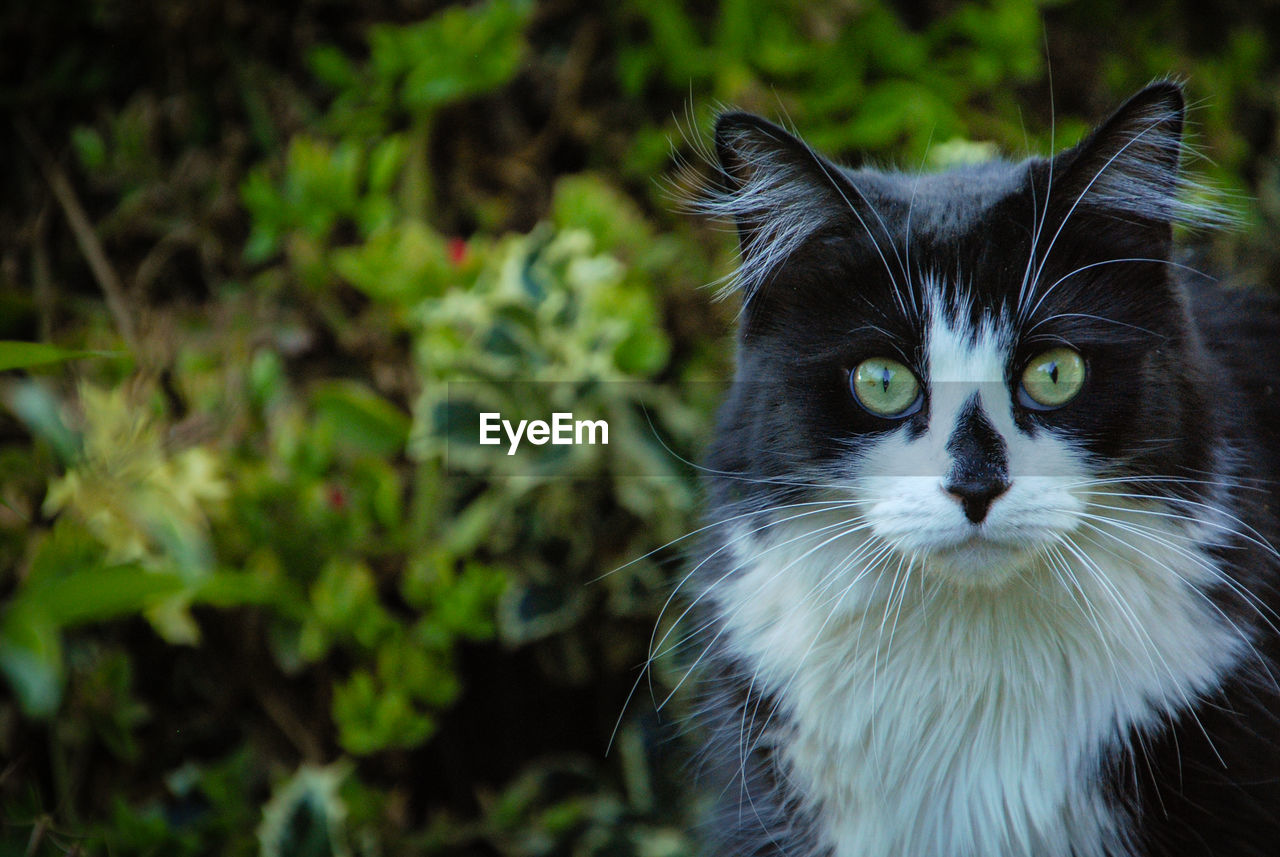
23, 355
458, 53
96, 594
305, 816
401, 265
587, 201
41, 411
89, 146
31, 660
331, 66
236, 588
371, 718
643, 352
360, 419
385, 162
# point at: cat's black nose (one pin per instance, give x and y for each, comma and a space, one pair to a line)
979, 462
976, 495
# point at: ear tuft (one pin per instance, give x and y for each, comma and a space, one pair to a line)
1130, 166
775, 190
738, 137
747, 144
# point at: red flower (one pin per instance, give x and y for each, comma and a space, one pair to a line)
457, 251
337, 498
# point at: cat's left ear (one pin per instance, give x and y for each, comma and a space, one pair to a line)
1130, 166
775, 189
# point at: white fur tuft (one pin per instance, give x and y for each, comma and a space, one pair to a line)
776, 209
1144, 177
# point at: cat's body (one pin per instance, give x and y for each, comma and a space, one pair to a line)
990, 569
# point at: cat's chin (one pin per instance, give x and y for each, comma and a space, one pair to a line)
979, 561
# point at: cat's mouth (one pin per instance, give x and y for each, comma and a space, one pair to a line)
979, 559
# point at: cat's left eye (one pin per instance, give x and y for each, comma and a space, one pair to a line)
1052, 378
885, 387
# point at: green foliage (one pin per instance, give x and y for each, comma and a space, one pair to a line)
24, 355
456, 54
857, 79
261, 590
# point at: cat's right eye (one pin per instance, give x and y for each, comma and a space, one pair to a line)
885, 387
1052, 379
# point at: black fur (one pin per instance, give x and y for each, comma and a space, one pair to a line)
980, 472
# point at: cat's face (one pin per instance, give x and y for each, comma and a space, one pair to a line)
976, 363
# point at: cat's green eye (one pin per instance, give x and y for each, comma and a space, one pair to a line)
1052, 378
885, 387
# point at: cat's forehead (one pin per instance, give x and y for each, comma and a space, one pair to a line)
947, 205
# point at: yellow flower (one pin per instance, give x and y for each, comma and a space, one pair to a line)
145, 504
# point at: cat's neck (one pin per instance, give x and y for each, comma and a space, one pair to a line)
916, 713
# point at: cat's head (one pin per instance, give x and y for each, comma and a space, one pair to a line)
974, 362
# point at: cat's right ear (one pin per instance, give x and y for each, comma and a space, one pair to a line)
747, 144
774, 188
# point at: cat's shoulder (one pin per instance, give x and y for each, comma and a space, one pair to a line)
1239, 324
1239, 328
1222, 300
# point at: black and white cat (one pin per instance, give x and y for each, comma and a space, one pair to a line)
991, 511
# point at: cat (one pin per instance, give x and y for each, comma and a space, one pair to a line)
989, 565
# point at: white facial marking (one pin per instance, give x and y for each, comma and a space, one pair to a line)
903, 478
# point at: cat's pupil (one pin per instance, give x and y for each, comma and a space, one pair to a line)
885, 376
1053, 371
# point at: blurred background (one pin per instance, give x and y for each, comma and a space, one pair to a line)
246, 605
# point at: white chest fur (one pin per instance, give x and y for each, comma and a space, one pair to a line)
924, 719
